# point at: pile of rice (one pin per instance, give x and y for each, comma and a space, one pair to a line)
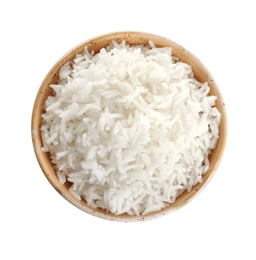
129, 128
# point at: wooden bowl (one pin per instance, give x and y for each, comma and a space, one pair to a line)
201, 74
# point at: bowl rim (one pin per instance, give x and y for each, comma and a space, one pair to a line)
52, 75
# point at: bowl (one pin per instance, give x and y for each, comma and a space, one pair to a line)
201, 74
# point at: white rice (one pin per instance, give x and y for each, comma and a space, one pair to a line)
130, 128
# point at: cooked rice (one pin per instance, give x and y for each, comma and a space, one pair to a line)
130, 128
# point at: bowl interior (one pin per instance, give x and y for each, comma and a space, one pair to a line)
201, 74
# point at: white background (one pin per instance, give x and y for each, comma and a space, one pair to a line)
36, 222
